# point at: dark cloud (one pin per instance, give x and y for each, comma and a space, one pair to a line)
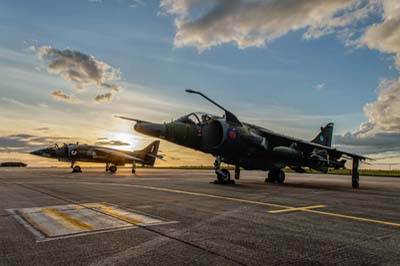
377, 143
81, 69
26, 142
42, 129
101, 98
59, 95
112, 143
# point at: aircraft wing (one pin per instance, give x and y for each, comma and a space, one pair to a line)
303, 145
334, 151
118, 154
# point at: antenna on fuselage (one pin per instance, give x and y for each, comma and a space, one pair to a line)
229, 116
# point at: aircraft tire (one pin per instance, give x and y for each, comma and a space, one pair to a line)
225, 177
133, 171
355, 184
280, 177
76, 169
271, 177
113, 169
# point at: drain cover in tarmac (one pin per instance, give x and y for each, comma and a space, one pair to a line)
54, 222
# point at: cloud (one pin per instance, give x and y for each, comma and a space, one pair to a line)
42, 129
371, 144
83, 70
59, 95
26, 142
251, 23
385, 36
13, 101
112, 143
381, 133
320, 87
137, 3
107, 97
384, 114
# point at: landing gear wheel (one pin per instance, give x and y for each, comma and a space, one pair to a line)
224, 177
133, 171
76, 169
271, 177
280, 177
112, 169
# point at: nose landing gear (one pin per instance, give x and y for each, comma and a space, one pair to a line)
223, 175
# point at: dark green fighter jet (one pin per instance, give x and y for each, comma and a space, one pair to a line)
97, 154
250, 147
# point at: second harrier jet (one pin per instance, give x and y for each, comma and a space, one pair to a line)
96, 154
249, 146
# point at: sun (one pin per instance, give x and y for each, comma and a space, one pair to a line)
128, 138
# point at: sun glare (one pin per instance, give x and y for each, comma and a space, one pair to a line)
128, 138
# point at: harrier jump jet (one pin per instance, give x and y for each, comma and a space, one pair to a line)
251, 147
96, 154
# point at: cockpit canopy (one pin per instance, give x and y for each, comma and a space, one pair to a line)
197, 118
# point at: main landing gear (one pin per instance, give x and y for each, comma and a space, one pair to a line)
355, 175
275, 175
223, 175
133, 167
76, 168
112, 169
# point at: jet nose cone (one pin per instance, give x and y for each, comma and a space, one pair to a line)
37, 152
42, 152
151, 129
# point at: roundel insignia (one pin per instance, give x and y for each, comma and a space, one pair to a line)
232, 134
74, 152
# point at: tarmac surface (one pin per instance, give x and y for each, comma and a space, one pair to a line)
177, 217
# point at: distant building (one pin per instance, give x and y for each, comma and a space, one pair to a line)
13, 164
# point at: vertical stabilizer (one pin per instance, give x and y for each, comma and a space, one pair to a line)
325, 136
149, 153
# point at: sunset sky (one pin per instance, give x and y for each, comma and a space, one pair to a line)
67, 67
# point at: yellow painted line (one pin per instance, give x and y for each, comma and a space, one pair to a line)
112, 212
298, 209
70, 220
267, 204
215, 196
353, 217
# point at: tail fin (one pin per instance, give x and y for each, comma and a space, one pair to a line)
149, 153
325, 136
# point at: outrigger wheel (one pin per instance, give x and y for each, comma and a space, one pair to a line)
112, 169
355, 175
76, 169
